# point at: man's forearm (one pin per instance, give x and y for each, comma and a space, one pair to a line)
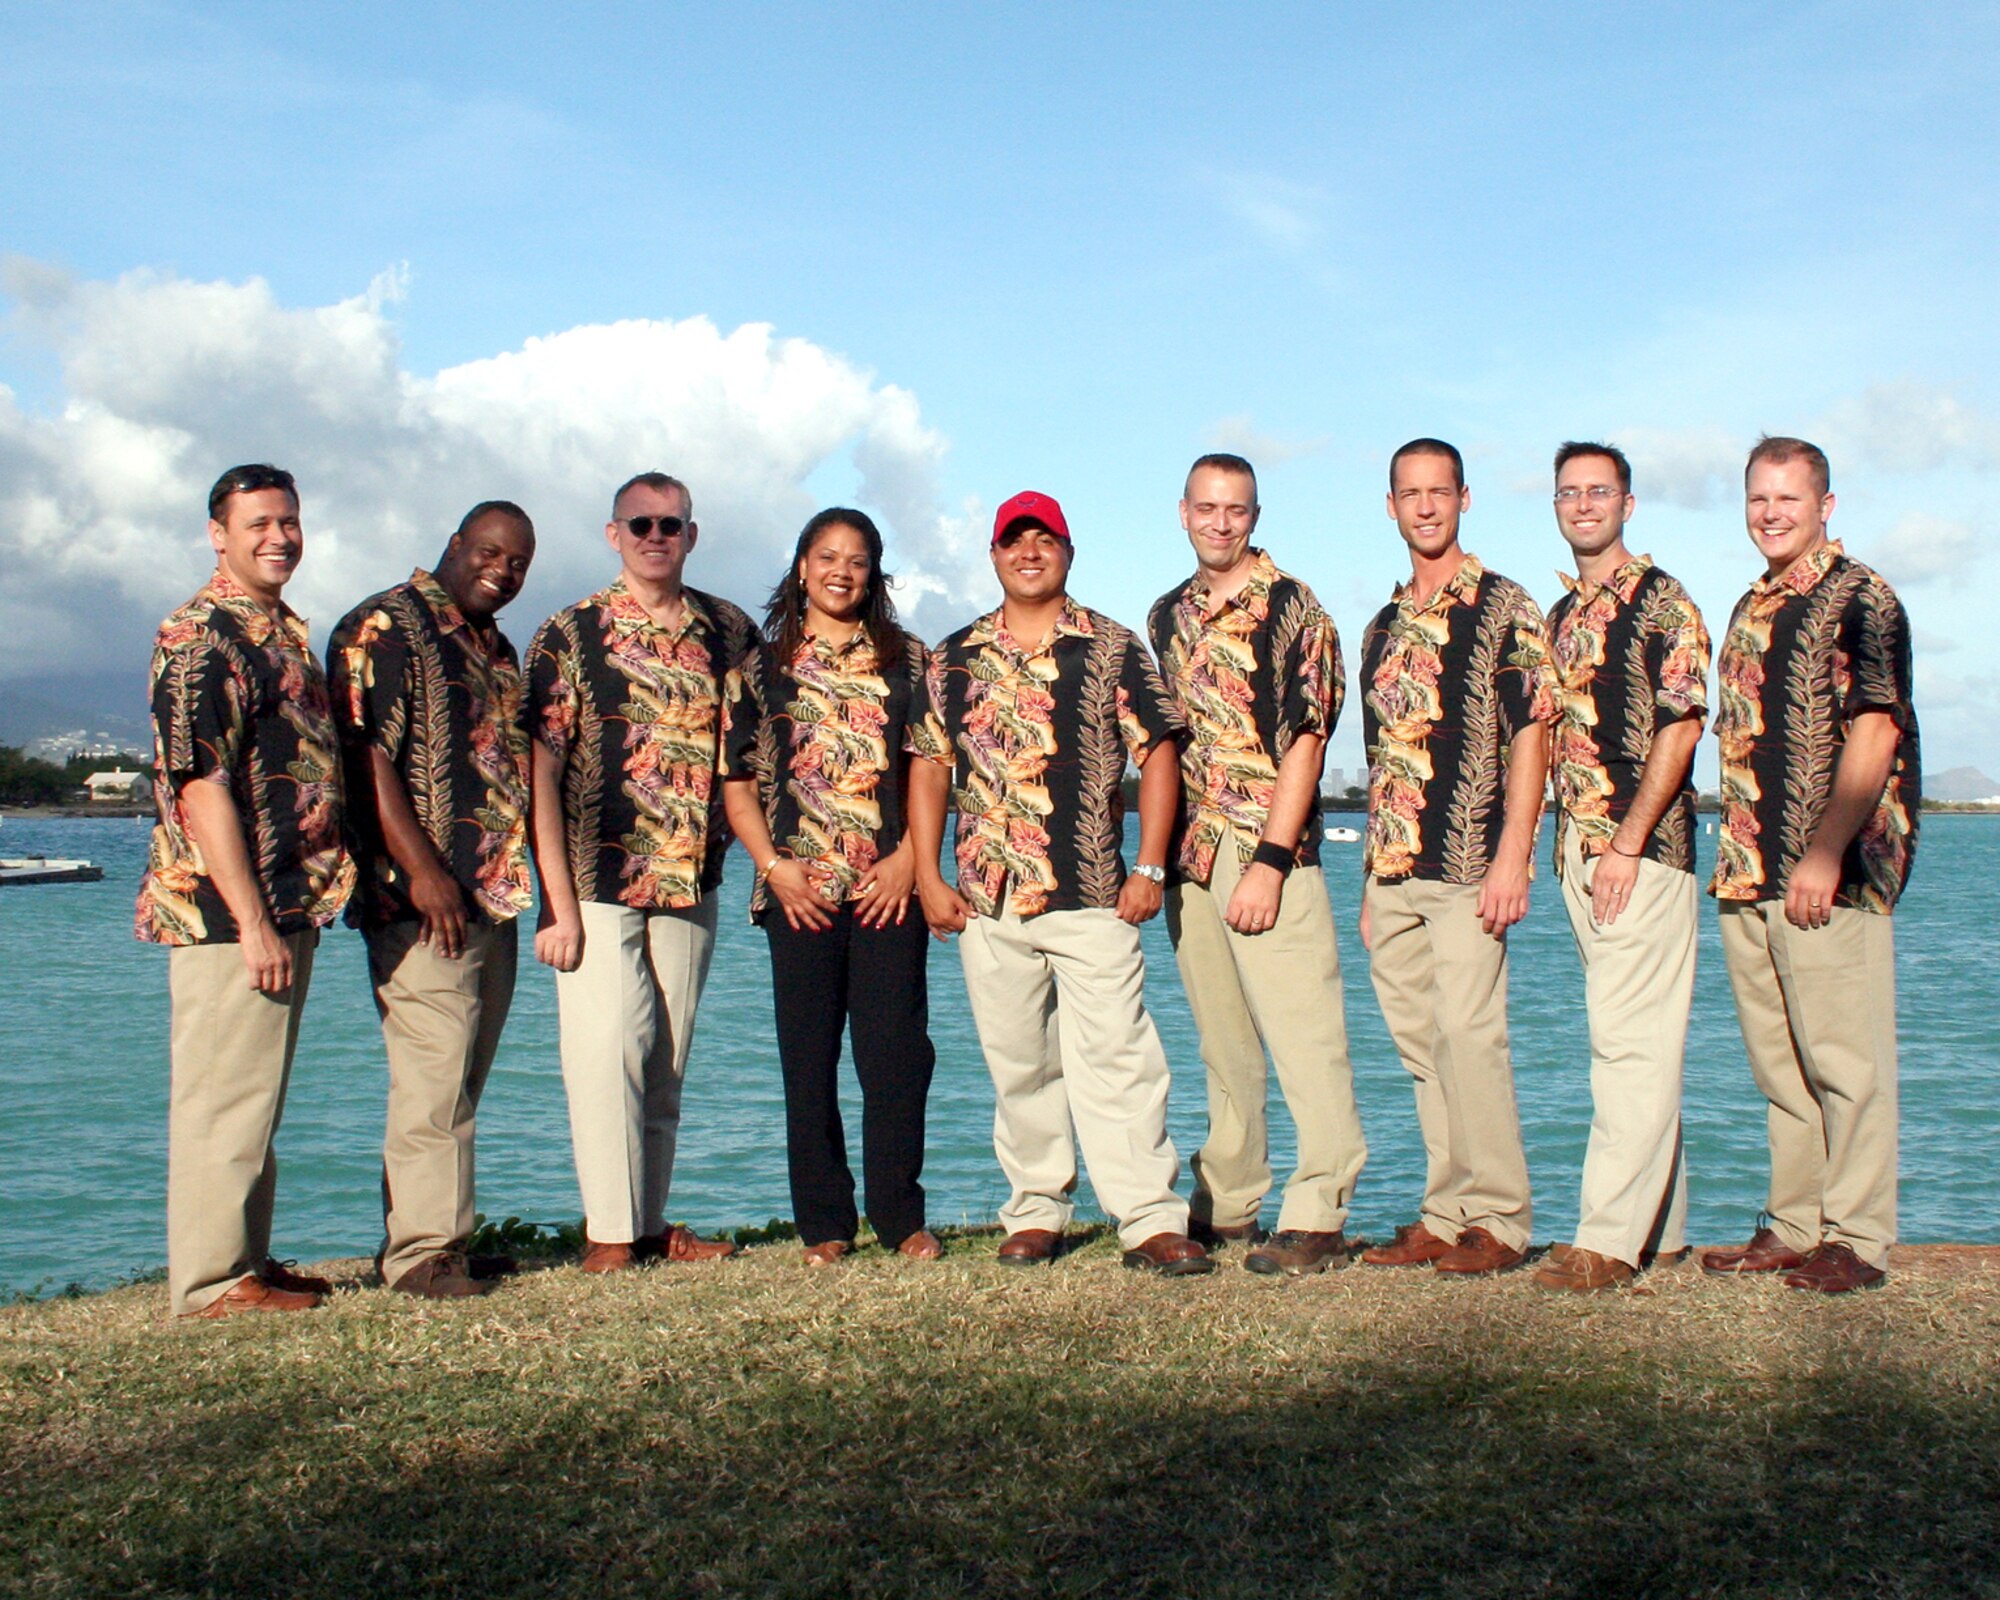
1297, 787
1527, 779
401, 832
217, 827
929, 790
1858, 779
1660, 781
1159, 799
551, 844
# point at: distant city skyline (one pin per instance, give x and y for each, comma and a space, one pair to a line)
918, 258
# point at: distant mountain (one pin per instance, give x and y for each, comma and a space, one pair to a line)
112, 703
1959, 783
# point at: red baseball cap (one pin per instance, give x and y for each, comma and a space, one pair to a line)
1028, 506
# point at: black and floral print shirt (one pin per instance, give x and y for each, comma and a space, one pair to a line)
1631, 658
633, 711
1446, 686
1250, 678
238, 699
1038, 736
1806, 652
824, 738
445, 703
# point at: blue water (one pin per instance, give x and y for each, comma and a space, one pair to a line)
83, 1060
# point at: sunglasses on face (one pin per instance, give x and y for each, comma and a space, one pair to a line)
670, 527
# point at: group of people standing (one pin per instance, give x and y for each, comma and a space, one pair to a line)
425, 777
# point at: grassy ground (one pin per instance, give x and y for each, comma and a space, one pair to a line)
894, 1428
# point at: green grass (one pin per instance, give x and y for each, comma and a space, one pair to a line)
895, 1428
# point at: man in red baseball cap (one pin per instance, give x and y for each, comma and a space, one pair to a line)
1030, 714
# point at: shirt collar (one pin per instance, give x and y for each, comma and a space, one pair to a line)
1461, 590
833, 654
438, 598
628, 616
1804, 574
232, 597
992, 629
1624, 582
1254, 597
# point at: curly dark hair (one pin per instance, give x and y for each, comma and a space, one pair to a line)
785, 611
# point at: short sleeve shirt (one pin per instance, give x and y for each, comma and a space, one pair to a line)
633, 711
823, 736
1807, 651
1631, 658
1037, 736
239, 699
1446, 685
445, 702
1249, 677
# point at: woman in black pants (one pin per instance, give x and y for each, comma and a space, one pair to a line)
814, 775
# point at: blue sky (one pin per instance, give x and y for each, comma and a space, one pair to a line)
920, 257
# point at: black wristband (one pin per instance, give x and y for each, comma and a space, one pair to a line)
1629, 855
1275, 856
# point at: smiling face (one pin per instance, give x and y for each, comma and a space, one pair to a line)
485, 565
1591, 505
1032, 564
1219, 512
835, 574
656, 557
258, 541
1426, 500
1785, 511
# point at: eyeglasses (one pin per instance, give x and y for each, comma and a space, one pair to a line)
1596, 494
641, 526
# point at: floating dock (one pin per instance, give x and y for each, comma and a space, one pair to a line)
47, 869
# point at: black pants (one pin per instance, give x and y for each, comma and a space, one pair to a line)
870, 983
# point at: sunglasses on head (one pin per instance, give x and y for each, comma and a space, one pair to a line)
641, 526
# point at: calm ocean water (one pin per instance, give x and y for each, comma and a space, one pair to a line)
83, 1057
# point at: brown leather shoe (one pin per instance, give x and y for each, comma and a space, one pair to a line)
1414, 1246
923, 1245
1029, 1248
1765, 1252
608, 1257
1296, 1253
1478, 1252
279, 1275
828, 1253
1581, 1271
1210, 1236
254, 1294
681, 1244
1649, 1259
496, 1266
1173, 1255
443, 1276
1834, 1268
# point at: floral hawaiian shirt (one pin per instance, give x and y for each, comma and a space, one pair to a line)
1631, 658
1250, 678
821, 737
445, 703
633, 711
1807, 651
1446, 686
238, 699
1038, 736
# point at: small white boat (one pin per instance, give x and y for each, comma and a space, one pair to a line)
43, 869
1343, 835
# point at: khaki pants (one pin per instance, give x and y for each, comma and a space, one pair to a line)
232, 1060
1059, 1000
627, 1016
1638, 982
441, 1022
1818, 1013
1277, 990
1442, 983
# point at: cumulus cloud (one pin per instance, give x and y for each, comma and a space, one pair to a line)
1697, 468
166, 382
1238, 435
1909, 427
1922, 548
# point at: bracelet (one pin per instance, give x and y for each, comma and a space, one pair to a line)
765, 870
1275, 856
1629, 855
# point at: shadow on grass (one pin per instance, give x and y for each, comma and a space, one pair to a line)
1378, 1477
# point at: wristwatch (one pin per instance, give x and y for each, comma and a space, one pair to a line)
1151, 874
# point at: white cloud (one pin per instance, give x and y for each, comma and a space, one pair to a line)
1240, 436
166, 382
1908, 427
1285, 213
1697, 468
1922, 548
